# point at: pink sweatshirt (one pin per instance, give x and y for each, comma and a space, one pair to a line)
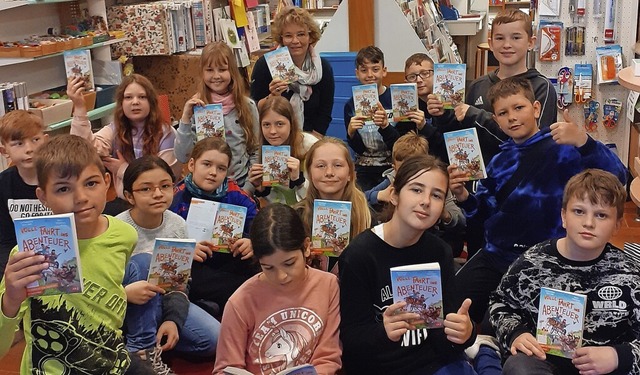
264, 331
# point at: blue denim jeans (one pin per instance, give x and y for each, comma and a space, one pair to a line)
198, 336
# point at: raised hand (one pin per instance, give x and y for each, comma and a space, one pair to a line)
458, 326
568, 132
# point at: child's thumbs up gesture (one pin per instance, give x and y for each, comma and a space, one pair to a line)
458, 326
568, 132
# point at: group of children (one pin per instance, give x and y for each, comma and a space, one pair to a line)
542, 193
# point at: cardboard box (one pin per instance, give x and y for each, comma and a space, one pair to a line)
57, 110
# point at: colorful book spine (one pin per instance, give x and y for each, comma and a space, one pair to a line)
281, 65
171, 263
274, 165
229, 226
420, 286
77, 63
464, 151
331, 228
404, 99
365, 100
449, 82
55, 238
209, 121
560, 321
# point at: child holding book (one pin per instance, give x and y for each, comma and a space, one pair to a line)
372, 143
286, 315
21, 134
418, 69
452, 222
215, 275
80, 332
223, 83
520, 199
279, 127
311, 95
584, 262
155, 321
137, 129
377, 336
510, 40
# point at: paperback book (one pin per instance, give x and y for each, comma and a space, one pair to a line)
281, 65
200, 219
77, 63
55, 238
274, 165
331, 227
420, 286
305, 369
560, 321
171, 263
209, 121
228, 226
404, 99
463, 149
365, 100
449, 83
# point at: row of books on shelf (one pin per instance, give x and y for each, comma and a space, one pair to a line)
168, 27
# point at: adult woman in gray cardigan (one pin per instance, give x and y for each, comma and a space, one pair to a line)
222, 83
312, 94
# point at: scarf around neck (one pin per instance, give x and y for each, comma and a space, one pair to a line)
309, 75
226, 100
195, 191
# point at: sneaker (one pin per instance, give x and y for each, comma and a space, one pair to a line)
481, 340
153, 358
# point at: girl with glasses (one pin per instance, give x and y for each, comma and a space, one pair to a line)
156, 321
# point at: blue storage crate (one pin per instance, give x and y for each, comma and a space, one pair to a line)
343, 63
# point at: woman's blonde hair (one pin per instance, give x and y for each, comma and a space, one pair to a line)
360, 213
220, 54
283, 107
297, 16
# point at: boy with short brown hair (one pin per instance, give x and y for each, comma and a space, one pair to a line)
80, 331
520, 199
582, 262
510, 41
21, 134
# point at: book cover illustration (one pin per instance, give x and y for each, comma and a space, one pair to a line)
209, 121
404, 99
365, 100
274, 165
560, 321
420, 286
281, 65
463, 149
449, 83
55, 238
228, 226
170, 266
77, 63
331, 228
200, 219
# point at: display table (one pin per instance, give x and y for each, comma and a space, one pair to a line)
628, 80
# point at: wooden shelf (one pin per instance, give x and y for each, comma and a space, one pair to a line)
628, 80
93, 115
4, 5
19, 60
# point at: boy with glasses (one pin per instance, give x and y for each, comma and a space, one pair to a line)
418, 69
